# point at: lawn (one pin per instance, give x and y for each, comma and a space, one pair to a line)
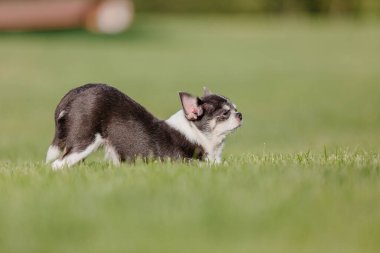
301, 175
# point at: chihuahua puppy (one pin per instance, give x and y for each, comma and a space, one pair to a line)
96, 115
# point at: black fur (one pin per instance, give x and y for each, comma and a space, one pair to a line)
127, 126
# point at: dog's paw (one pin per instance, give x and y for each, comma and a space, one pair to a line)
58, 164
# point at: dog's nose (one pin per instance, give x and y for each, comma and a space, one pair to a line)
239, 115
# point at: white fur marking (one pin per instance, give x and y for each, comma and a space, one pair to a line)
58, 164
227, 126
226, 107
73, 158
179, 122
218, 153
112, 155
52, 154
61, 114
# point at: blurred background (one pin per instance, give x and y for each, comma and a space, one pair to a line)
305, 74
325, 7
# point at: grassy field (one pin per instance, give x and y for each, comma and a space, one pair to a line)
301, 175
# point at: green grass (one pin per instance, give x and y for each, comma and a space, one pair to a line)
264, 203
301, 175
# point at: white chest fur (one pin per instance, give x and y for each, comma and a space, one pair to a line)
213, 145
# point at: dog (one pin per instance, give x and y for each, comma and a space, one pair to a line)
95, 115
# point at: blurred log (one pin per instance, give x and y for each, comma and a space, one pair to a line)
105, 16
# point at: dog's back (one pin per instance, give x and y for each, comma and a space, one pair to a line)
88, 109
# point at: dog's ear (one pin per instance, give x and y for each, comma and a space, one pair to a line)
206, 92
191, 105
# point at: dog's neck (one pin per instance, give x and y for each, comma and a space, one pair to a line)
213, 145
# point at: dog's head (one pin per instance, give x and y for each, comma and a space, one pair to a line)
212, 114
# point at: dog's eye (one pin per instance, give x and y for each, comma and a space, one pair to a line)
223, 115
226, 113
